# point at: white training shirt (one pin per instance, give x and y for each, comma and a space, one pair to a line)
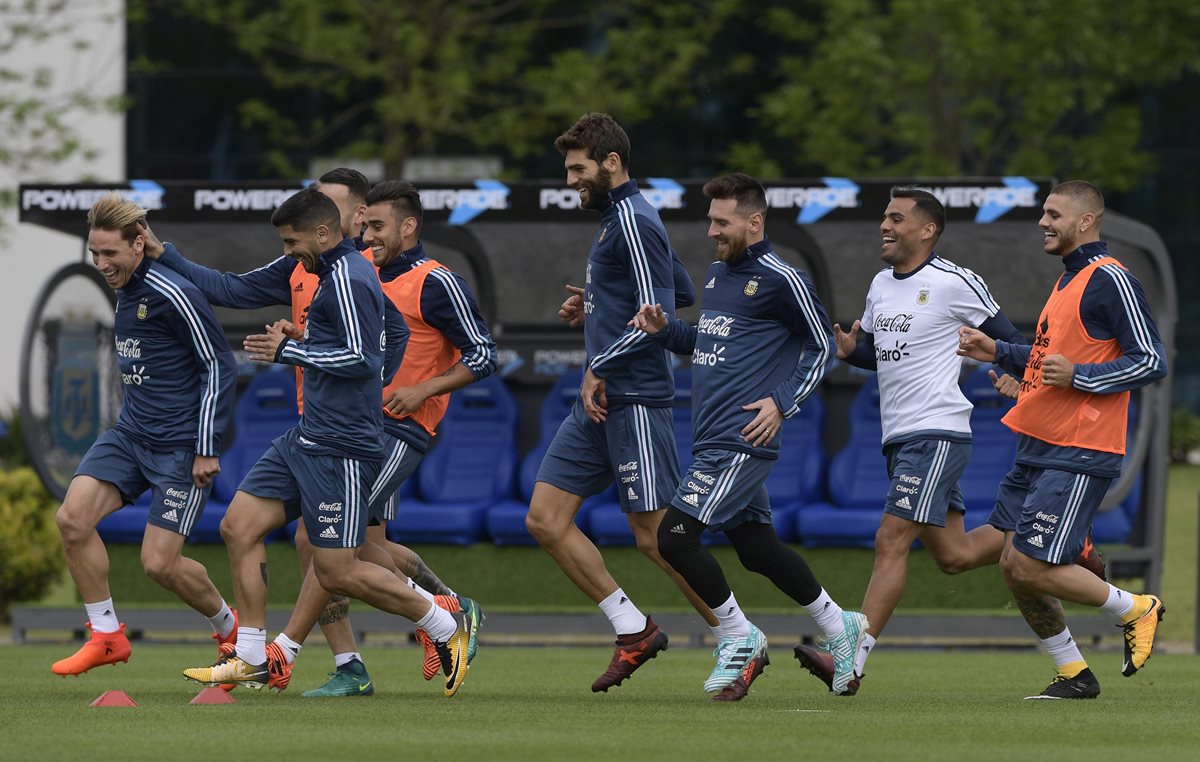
914, 319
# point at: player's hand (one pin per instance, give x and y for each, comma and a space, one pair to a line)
846, 342
765, 425
262, 347
650, 319
591, 391
1005, 384
405, 400
204, 468
152, 246
976, 344
571, 311
1058, 371
291, 330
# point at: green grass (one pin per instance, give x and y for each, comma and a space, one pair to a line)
530, 703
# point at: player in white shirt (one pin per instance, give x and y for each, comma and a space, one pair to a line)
909, 335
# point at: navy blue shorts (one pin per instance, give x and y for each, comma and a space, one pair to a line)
175, 501
330, 492
925, 474
724, 489
1050, 511
635, 446
401, 462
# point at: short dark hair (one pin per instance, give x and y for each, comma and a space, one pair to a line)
356, 182
926, 203
749, 192
404, 197
599, 135
306, 210
1086, 195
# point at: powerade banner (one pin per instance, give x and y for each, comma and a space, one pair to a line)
805, 201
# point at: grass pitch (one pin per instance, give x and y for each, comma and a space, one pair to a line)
535, 703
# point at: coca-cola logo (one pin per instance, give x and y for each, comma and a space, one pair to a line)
899, 323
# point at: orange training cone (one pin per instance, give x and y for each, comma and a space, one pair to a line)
213, 694
114, 698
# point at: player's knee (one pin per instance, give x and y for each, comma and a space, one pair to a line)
1017, 570
71, 526
952, 564
673, 547
755, 558
544, 525
336, 580
891, 543
159, 568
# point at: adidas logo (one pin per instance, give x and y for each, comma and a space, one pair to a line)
329, 534
171, 515
1035, 541
623, 600
903, 503
299, 287
711, 283
631, 494
678, 529
692, 499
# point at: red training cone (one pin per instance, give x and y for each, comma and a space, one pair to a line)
212, 695
114, 698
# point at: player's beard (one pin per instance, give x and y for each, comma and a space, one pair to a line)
597, 189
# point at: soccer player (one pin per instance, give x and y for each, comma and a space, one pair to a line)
913, 311
329, 462
449, 348
290, 284
621, 424
761, 348
178, 373
1096, 340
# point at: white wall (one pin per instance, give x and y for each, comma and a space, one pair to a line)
31, 254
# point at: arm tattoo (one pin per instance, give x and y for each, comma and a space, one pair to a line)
1044, 613
336, 610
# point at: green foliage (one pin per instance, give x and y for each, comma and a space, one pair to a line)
31, 556
40, 120
943, 87
1185, 433
12, 445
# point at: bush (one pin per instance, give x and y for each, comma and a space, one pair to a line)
1185, 433
31, 556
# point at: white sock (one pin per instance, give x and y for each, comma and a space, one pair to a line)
733, 623
827, 614
222, 621
1119, 603
438, 623
1063, 649
103, 616
252, 645
625, 617
290, 648
341, 660
864, 651
424, 593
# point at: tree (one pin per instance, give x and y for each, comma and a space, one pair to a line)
446, 76
40, 120
944, 87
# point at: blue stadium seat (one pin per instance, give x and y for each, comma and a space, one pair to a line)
858, 482
993, 445
471, 467
128, 525
506, 519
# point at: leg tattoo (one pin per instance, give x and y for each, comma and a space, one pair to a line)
1044, 613
336, 610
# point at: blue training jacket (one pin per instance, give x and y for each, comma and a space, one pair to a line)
762, 333
347, 351
176, 366
629, 264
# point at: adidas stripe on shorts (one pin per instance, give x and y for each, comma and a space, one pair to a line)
1049, 511
725, 489
635, 446
925, 474
329, 492
175, 502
